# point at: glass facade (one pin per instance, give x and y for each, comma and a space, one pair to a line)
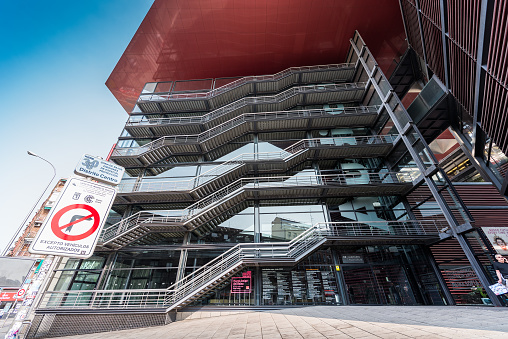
272, 198
369, 275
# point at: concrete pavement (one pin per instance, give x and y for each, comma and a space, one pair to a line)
391, 322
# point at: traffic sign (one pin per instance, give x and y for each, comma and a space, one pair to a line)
21, 293
94, 167
57, 228
73, 225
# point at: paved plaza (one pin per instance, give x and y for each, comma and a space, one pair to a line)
390, 322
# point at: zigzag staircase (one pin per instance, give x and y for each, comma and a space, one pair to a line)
153, 127
199, 283
162, 102
219, 270
214, 138
164, 147
223, 174
200, 216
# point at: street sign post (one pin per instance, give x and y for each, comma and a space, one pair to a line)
99, 169
73, 226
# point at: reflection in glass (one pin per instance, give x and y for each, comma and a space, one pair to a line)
149, 87
247, 148
286, 226
498, 162
237, 229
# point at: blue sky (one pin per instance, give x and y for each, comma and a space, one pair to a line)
55, 57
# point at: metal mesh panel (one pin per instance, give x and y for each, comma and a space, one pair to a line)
58, 325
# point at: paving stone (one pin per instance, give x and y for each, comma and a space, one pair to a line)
392, 335
293, 335
338, 336
390, 322
312, 335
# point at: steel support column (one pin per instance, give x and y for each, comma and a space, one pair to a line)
447, 294
404, 20
485, 30
504, 187
106, 271
182, 262
422, 38
444, 31
258, 288
407, 129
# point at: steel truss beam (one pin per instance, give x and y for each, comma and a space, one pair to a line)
412, 138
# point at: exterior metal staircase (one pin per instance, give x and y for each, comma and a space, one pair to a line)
184, 144
153, 127
216, 272
223, 174
206, 278
205, 214
168, 102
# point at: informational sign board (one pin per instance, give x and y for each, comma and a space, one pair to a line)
498, 237
74, 224
242, 284
105, 171
7, 296
352, 259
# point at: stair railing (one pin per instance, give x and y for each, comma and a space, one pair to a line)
135, 121
135, 220
238, 104
243, 81
211, 201
284, 155
233, 259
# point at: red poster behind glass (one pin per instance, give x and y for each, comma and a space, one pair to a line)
242, 284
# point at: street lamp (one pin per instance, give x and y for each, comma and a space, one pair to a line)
6, 250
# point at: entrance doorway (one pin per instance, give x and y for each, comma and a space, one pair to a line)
383, 284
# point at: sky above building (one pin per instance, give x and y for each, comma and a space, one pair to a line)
55, 57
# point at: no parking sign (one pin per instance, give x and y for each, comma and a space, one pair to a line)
73, 226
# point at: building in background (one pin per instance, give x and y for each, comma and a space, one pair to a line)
21, 245
330, 184
21, 272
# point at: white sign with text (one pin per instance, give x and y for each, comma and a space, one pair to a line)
74, 224
90, 166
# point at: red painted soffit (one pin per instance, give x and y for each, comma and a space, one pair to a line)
197, 39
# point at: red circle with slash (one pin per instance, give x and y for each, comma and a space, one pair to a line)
57, 229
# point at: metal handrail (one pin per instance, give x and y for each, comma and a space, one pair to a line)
206, 275
209, 202
284, 155
135, 121
228, 125
136, 220
296, 248
133, 151
104, 299
243, 81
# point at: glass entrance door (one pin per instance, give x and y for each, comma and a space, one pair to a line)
361, 285
373, 284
